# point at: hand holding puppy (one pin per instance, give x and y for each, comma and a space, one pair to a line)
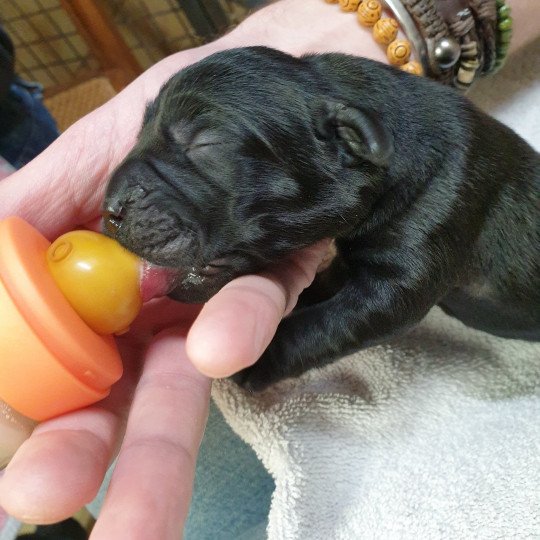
154, 419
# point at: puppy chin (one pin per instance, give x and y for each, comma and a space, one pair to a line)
194, 295
187, 285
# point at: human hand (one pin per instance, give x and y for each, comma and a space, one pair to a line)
155, 416
160, 398
61, 466
156, 413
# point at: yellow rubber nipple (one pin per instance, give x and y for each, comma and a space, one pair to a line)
99, 278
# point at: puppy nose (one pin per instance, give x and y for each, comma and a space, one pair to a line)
113, 216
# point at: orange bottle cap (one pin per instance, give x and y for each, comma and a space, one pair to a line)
51, 362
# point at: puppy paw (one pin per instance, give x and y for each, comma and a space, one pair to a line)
259, 376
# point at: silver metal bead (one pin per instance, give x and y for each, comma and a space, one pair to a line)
447, 52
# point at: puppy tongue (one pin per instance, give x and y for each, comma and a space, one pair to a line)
156, 281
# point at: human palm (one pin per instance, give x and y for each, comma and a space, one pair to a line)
154, 418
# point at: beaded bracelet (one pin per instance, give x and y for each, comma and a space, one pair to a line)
385, 32
469, 60
443, 50
485, 14
504, 33
454, 40
407, 24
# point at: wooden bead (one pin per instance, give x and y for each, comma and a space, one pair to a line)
331, 1
349, 5
369, 12
465, 77
385, 31
412, 67
466, 73
398, 52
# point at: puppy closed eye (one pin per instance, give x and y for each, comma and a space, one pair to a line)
205, 138
188, 139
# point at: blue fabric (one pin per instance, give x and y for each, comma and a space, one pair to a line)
232, 492
26, 127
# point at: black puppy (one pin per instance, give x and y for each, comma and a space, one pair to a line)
252, 154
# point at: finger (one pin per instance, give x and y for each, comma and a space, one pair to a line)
159, 314
61, 466
235, 326
151, 486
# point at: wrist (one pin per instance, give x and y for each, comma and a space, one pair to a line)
298, 27
526, 23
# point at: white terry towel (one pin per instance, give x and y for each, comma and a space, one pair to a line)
433, 435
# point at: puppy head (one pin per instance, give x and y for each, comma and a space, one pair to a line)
241, 160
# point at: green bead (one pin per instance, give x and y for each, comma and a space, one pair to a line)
505, 37
499, 3
505, 24
504, 12
502, 49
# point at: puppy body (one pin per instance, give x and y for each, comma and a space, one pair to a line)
252, 154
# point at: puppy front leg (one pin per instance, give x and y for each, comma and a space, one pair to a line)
366, 310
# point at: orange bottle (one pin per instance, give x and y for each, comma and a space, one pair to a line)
59, 305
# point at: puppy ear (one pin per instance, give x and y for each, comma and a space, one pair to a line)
356, 131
